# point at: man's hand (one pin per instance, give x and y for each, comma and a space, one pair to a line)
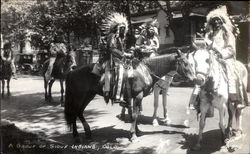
128, 55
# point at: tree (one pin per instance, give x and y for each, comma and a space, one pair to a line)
13, 23
185, 7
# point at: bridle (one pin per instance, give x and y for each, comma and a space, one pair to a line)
209, 72
179, 65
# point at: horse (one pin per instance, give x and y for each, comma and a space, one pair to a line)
62, 66
160, 87
82, 86
211, 77
5, 74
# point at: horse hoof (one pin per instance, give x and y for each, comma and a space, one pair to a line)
88, 136
186, 123
224, 149
77, 140
135, 139
121, 117
196, 148
155, 123
167, 121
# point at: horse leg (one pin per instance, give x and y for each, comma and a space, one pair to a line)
75, 132
62, 91
204, 108
50, 86
85, 126
129, 98
222, 122
130, 112
164, 103
3, 84
238, 118
122, 115
156, 104
231, 113
136, 106
8, 87
45, 88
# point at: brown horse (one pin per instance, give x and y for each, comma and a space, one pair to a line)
82, 86
62, 66
5, 74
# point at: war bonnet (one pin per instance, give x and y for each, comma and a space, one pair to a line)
220, 12
113, 22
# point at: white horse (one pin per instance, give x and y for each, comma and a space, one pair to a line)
211, 77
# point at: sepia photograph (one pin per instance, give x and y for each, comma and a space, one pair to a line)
124, 77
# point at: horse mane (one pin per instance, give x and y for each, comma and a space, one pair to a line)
161, 65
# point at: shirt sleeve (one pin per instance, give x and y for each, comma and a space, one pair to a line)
229, 49
113, 47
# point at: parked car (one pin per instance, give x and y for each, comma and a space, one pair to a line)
25, 63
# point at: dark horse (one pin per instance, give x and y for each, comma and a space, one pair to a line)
62, 66
82, 86
5, 74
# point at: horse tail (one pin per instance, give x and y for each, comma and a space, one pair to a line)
69, 112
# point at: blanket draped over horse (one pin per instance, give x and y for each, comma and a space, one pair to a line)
211, 77
5, 74
82, 86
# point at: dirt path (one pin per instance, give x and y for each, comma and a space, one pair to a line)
29, 112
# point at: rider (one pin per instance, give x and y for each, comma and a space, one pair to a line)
115, 27
220, 39
56, 47
7, 55
148, 41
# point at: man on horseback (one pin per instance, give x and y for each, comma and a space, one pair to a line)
7, 56
148, 42
115, 27
57, 47
221, 40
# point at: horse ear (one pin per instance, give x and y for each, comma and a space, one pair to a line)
179, 52
194, 45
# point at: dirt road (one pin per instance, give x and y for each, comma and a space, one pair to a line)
29, 112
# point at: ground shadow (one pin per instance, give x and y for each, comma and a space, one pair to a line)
104, 140
147, 120
32, 112
211, 142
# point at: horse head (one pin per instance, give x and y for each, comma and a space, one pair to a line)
201, 60
184, 66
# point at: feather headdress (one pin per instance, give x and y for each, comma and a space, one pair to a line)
151, 24
113, 22
220, 12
